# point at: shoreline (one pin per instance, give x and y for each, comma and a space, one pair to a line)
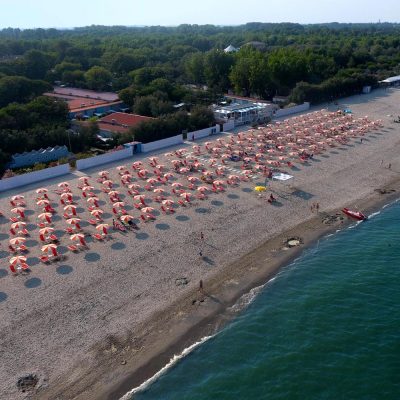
211, 318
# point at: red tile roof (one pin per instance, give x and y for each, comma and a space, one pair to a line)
118, 118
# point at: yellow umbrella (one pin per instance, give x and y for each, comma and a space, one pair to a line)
260, 189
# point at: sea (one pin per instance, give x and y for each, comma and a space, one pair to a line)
326, 327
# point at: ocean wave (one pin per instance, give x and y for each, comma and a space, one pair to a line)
175, 359
246, 299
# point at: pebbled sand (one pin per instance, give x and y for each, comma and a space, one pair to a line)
86, 325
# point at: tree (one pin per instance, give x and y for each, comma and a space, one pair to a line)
217, 65
98, 78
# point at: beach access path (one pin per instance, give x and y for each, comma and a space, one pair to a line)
83, 325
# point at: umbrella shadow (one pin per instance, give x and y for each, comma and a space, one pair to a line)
92, 257
32, 261
208, 260
302, 194
4, 236
162, 227
31, 243
31, 227
64, 269
3, 254
62, 249
33, 283
56, 218
324, 156
118, 246
182, 218
202, 210
29, 212
247, 190
217, 203
3, 297
3, 273
142, 236
233, 196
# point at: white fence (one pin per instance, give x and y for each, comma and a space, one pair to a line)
229, 125
103, 158
32, 177
202, 133
283, 112
159, 144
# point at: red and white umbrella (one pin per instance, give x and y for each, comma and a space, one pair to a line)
17, 240
87, 188
43, 202
140, 197
84, 179
103, 174
113, 193
202, 189
192, 179
66, 196
137, 164
45, 216
152, 181
168, 202
44, 232
19, 210
184, 170
18, 260
97, 212
18, 225
41, 190
158, 190
147, 210
103, 228
63, 184
108, 183
70, 208
126, 218
176, 185
47, 248
121, 167
78, 237
17, 197
74, 221
186, 196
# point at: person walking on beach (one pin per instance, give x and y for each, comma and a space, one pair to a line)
201, 290
317, 207
390, 166
201, 236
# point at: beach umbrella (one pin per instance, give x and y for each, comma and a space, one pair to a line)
71, 208
18, 225
176, 185
152, 181
168, 175
260, 189
186, 196
121, 167
113, 193
63, 184
207, 173
19, 210
18, 260
44, 232
83, 179
184, 170
17, 197
17, 240
47, 248
168, 202
126, 218
192, 179
78, 237
108, 183
87, 188
147, 210
134, 186
202, 189
97, 212
169, 154
158, 190
154, 160
103, 228
45, 216
41, 190
103, 174
218, 183
137, 164
93, 200
143, 172
119, 204
43, 202
66, 196
74, 221
140, 197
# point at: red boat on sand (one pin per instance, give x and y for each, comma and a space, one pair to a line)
354, 214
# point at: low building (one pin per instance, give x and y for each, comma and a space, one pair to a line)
84, 103
231, 49
391, 81
244, 110
119, 123
33, 157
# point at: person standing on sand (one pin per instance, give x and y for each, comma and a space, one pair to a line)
317, 206
201, 286
390, 166
201, 236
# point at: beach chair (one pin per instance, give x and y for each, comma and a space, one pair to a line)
143, 218
137, 205
182, 203
14, 219
22, 247
44, 259
69, 231
24, 267
93, 222
98, 236
73, 248
12, 249
24, 232
53, 238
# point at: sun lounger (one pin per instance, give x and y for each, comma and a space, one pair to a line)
98, 236
12, 249
53, 238
44, 259
73, 248
93, 222
14, 219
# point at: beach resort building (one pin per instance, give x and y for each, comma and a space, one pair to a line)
83, 103
119, 122
244, 110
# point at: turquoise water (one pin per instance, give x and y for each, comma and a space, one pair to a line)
327, 327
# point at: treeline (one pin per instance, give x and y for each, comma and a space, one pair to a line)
167, 126
39, 124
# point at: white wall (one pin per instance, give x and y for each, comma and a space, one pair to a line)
203, 133
32, 177
229, 125
159, 144
103, 158
291, 110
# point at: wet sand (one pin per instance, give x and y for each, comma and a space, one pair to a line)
103, 321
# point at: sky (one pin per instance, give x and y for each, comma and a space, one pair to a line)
73, 13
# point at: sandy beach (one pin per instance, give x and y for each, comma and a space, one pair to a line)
104, 320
